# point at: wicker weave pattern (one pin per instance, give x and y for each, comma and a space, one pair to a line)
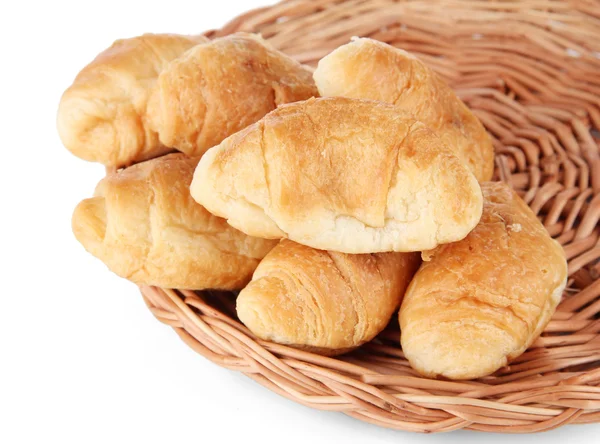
531, 72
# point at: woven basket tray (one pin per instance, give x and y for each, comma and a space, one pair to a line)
530, 70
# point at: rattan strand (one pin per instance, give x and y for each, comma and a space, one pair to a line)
531, 72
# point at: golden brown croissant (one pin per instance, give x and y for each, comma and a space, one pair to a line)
324, 301
102, 115
479, 303
368, 69
339, 174
219, 88
144, 225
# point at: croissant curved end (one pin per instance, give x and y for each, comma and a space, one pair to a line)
89, 223
458, 349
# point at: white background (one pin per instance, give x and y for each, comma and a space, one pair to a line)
81, 358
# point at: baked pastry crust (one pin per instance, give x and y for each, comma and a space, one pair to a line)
144, 225
102, 115
339, 174
323, 301
477, 304
220, 87
368, 69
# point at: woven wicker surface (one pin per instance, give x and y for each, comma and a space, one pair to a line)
530, 70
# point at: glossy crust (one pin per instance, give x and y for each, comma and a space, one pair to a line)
219, 88
368, 69
340, 174
479, 303
145, 227
324, 301
102, 115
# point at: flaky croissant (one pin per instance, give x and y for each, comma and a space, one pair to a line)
102, 115
144, 225
477, 304
340, 174
368, 69
324, 301
219, 88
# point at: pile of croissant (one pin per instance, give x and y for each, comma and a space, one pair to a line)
329, 198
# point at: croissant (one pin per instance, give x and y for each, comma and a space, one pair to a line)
102, 115
339, 174
477, 304
368, 69
323, 301
145, 227
219, 88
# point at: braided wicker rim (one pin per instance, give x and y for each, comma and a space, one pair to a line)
530, 70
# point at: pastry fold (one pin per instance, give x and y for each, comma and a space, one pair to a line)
144, 225
368, 69
102, 116
477, 304
339, 174
324, 301
220, 87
